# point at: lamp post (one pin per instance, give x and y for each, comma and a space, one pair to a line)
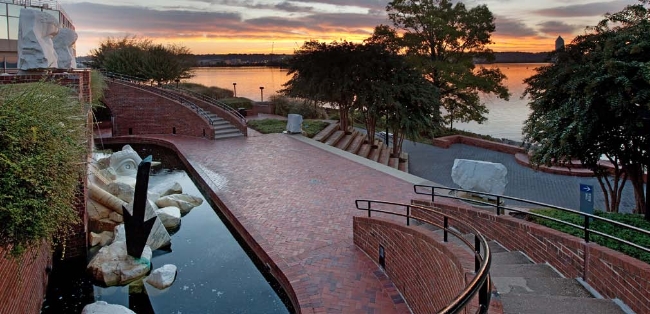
234, 89
261, 93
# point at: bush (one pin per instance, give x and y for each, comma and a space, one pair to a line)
286, 105
266, 126
238, 102
42, 157
626, 234
213, 92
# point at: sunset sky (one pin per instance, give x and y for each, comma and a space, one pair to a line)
280, 26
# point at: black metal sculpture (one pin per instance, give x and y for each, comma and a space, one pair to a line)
136, 228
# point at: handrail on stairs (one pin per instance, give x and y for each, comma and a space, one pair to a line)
480, 284
499, 205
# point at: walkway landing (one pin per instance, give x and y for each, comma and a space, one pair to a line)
297, 202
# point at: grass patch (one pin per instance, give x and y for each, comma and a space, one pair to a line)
625, 234
266, 126
237, 102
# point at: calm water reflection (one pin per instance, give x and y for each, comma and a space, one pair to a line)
505, 119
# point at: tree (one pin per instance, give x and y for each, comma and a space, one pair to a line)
140, 58
444, 39
595, 101
323, 72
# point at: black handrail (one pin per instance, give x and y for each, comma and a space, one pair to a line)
481, 282
211, 101
138, 83
431, 190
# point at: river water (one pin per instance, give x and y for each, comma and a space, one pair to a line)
505, 119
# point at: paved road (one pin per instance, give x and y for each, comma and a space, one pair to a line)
434, 163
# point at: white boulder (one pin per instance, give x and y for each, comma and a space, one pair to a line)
64, 47
183, 201
480, 176
101, 307
113, 266
122, 190
170, 217
35, 47
158, 237
101, 239
162, 277
167, 188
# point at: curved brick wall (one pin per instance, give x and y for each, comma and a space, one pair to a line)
426, 273
612, 274
23, 280
147, 113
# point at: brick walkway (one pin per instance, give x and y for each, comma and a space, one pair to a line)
297, 202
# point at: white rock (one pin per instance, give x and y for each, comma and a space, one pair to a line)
122, 190
35, 46
113, 266
101, 239
97, 211
480, 176
162, 277
167, 188
101, 307
183, 201
170, 217
116, 217
108, 173
64, 47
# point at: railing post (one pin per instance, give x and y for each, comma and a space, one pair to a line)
484, 294
408, 215
586, 228
433, 193
445, 225
498, 205
477, 249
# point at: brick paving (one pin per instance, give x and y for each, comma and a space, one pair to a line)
297, 201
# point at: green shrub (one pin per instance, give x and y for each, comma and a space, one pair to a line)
238, 102
42, 155
214, 92
266, 126
286, 105
623, 233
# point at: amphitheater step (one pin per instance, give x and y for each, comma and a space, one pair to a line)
496, 247
393, 162
230, 130
334, 138
364, 150
541, 304
375, 152
356, 143
540, 286
229, 135
326, 132
226, 126
514, 257
345, 142
403, 166
523, 270
385, 155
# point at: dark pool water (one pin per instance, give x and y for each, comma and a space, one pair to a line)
215, 274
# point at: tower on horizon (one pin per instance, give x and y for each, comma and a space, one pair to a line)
559, 43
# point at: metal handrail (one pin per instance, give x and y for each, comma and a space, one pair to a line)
173, 96
211, 101
481, 282
431, 190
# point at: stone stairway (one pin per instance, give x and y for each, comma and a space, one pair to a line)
522, 286
354, 142
223, 128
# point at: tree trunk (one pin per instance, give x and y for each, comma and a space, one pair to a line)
635, 173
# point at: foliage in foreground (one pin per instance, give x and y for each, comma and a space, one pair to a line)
266, 126
42, 151
630, 219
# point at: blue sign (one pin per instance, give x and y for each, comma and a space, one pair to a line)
587, 198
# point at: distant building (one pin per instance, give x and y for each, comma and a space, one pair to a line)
559, 43
9, 15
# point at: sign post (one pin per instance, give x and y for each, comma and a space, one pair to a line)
587, 198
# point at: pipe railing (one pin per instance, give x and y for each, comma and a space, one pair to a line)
500, 206
229, 110
480, 284
140, 83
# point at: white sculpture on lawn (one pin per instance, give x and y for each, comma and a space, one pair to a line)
43, 44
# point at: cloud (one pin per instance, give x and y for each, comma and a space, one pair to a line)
557, 27
589, 9
510, 27
289, 7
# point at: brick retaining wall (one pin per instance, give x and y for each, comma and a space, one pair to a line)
23, 280
144, 112
427, 274
612, 274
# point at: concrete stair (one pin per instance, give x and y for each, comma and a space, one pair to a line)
353, 141
522, 286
